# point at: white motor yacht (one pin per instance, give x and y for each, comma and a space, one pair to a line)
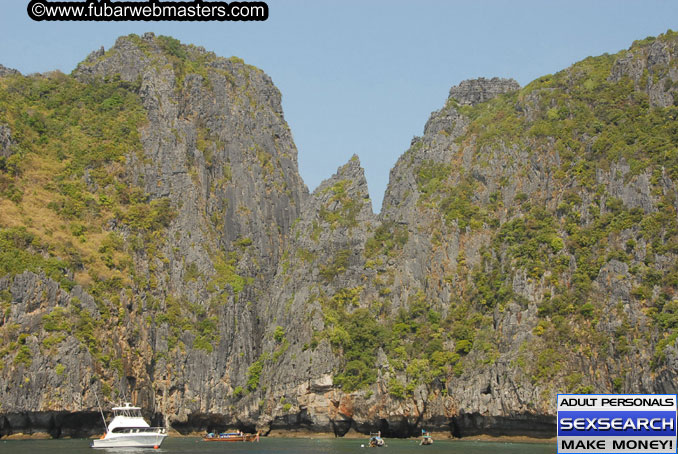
128, 429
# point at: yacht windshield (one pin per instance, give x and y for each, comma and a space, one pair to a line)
128, 412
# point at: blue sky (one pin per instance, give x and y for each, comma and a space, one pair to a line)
363, 76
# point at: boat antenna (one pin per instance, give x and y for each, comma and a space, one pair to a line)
100, 410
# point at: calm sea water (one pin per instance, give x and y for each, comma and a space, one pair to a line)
282, 446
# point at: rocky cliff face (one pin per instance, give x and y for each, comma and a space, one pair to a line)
526, 247
215, 155
523, 223
652, 70
476, 91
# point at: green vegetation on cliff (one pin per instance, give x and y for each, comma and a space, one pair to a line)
534, 239
65, 170
566, 191
591, 127
63, 184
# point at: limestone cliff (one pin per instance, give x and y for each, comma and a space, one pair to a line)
178, 301
170, 253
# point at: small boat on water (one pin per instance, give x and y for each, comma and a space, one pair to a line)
376, 441
231, 436
426, 438
128, 429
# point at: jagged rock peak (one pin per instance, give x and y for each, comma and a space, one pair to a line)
152, 45
474, 91
5, 71
351, 171
164, 63
350, 180
132, 53
352, 168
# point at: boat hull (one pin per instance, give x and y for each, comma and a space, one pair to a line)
246, 437
149, 440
